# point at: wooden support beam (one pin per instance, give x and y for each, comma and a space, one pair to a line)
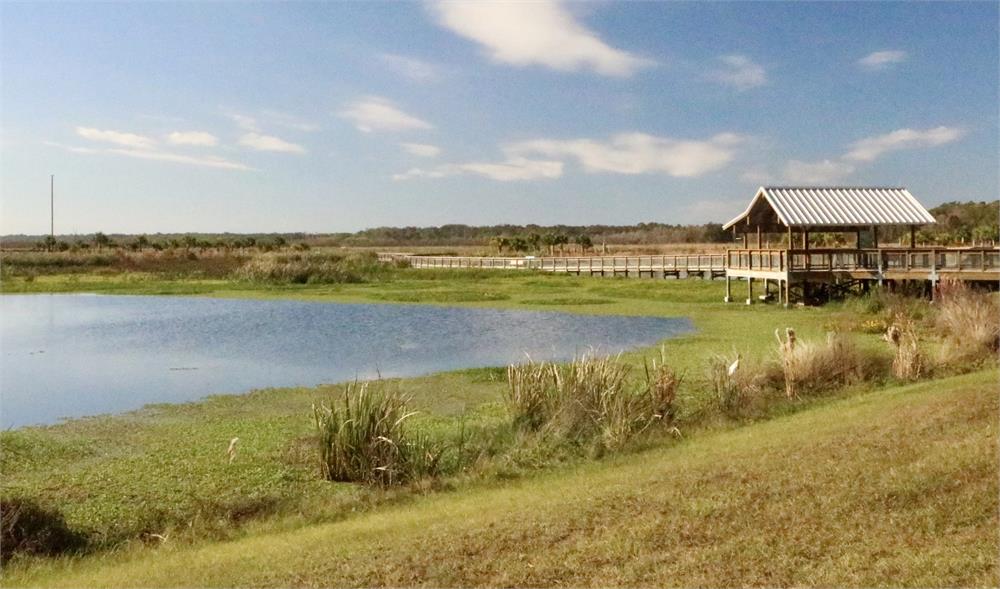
913, 236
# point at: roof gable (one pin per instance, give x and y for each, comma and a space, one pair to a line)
847, 206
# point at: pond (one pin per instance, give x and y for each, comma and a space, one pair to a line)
65, 356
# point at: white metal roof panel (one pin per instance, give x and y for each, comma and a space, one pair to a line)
841, 205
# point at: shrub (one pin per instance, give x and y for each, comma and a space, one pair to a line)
27, 528
363, 438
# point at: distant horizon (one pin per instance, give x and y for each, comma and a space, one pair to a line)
333, 118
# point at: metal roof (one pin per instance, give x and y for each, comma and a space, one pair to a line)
840, 206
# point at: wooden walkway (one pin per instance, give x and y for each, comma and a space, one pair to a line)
677, 266
794, 275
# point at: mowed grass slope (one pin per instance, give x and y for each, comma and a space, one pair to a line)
895, 487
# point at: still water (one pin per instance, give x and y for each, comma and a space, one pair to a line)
74, 355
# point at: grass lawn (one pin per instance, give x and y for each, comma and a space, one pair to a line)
895, 487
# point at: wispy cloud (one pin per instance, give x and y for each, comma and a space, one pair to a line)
639, 153
116, 137
739, 71
262, 142
871, 148
880, 60
421, 149
375, 113
543, 32
512, 169
155, 154
198, 138
290, 121
245, 122
822, 172
866, 151
411, 67
205, 161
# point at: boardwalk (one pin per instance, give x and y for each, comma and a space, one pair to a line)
676, 266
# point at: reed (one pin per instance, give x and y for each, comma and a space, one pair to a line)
967, 319
811, 367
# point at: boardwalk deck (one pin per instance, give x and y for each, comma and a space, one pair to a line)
678, 266
798, 275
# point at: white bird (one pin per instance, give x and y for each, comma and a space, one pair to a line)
232, 449
734, 366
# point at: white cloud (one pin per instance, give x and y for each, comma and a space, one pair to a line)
375, 113
639, 153
411, 67
871, 148
512, 169
116, 137
824, 172
269, 143
542, 32
421, 149
880, 60
200, 138
740, 72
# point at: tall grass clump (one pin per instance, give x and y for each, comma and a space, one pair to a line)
363, 438
810, 366
311, 269
968, 320
590, 401
734, 385
907, 361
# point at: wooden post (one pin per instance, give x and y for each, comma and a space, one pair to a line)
729, 293
875, 236
805, 239
749, 290
857, 239
913, 236
787, 292
758, 236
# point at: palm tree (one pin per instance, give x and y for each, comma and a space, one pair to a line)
561, 240
101, 240
584, 242
549, 239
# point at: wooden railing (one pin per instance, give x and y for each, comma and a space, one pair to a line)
876, 260
576, 264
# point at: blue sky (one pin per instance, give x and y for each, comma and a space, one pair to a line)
319, 117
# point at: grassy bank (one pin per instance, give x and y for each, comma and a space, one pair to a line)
130, 481
896, 487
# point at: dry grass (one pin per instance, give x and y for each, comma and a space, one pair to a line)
812, 367
908, 360
735, 384
969, 321
591, 400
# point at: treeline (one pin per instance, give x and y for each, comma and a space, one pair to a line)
642, 233
964, 222
958, 223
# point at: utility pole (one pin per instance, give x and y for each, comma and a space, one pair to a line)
52, 206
